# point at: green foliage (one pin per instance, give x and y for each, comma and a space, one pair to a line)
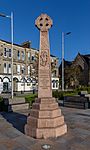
1, 99
70, 93
30, 99
1, 103
83, 88
60, 94
55, 94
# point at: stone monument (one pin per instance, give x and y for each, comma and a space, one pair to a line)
45, 118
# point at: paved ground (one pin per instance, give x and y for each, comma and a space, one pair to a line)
78, 137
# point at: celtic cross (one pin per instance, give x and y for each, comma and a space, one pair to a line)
44, 23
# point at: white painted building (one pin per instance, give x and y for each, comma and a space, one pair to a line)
25, 67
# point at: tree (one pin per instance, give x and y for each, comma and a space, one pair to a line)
73, 75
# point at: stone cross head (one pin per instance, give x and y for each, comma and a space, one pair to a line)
43, 22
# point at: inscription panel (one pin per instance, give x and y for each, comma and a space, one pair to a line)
44, 78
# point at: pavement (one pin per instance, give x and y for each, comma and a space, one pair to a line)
12, 135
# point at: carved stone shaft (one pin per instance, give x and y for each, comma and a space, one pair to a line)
44, 23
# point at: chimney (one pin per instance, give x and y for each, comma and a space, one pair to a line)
26, 44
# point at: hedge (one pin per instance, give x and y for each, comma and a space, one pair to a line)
30, 99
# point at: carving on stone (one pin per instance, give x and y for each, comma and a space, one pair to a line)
43, 58
43, 22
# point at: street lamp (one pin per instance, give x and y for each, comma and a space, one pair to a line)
11, 18
63, 35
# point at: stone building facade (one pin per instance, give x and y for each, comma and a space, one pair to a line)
77, 72
25, 67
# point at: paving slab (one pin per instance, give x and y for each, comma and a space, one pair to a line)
12, 135
25, 140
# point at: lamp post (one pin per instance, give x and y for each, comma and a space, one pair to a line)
63, 35
11, 18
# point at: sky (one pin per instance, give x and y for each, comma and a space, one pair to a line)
67, 15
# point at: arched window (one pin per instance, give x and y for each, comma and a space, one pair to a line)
6, 81
56, 83
15, 79
1, 79
53, 83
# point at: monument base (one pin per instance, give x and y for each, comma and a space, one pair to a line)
45, 119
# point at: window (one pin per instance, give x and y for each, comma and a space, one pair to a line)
32, 57
23, 69
9, 68
14, 68
56, 83
28, 70
53, 83
28, 55
5, 86
18, 69
4, 65
9, 52
5, 52
9, 65
23, 55
52, 60
18, 55
5, 68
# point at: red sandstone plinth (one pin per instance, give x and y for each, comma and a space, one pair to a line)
45, 119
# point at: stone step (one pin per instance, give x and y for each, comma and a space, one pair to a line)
45, 100
45, 113
46, 132
45, 106
17, 100
45, 123
20, 106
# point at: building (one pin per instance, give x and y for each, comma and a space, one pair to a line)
25, 67
77, 72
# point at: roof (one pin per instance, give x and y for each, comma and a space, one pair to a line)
23, 47
66, 63
87, 58
10, 43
